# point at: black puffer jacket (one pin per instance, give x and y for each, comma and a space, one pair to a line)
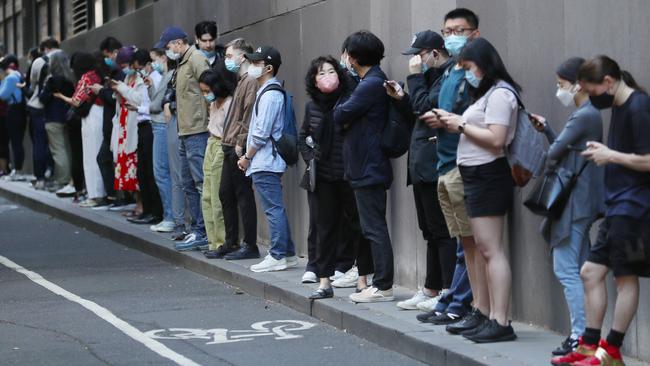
318, 124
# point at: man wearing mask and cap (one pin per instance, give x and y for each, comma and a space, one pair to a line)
429, 60
261, 160
192, 114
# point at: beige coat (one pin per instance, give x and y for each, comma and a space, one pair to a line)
191, 107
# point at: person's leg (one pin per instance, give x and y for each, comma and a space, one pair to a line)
312, 236
39, 142
247, 206
16, 128
488, 232
627, 303
328, 223
141, 171
161, 171
268, 185
91, 129
228, 197
151, 188
177, 193
350, 229
212, 212
426, 202
371, 202
460, 293
105, 155
195, 152
73, 128
58, 145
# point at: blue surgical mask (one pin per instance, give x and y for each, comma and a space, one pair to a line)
209, 54
109, 62
210, 98
454, 44
158, 67
231, 65
472, 79
128, 71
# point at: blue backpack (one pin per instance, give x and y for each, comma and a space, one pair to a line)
287, 144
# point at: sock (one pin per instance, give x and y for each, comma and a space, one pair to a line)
591, 336
615, 338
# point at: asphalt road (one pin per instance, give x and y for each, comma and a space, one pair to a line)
97, 302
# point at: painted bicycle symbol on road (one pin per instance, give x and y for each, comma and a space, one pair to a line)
279, 329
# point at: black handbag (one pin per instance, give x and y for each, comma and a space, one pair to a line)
551, 193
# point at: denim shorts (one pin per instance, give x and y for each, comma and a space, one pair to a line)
488, 188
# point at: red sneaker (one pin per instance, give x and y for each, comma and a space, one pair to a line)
605, 355
581, 353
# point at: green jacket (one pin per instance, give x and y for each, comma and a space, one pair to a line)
191, 107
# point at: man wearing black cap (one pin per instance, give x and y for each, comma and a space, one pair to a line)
261, 160
192, 113
428, 62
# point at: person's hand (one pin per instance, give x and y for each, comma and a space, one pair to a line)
167, 112
538, 121
415, 65
147, 81
432, 120
239, 151
394, 90
96, 88
243, 163
114, 84
21, 85
316, 151
598, 153
131, 106
57, 95
451, 121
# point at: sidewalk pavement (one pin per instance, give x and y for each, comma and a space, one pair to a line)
381, 323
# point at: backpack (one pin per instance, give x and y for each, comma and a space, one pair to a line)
287, 144
396, 136
527, 151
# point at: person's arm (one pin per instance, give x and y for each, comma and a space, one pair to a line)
8, 87
305, 130
45, 96
423, 98
359, 103
132, 95
271, 107
156, 105
250, 94
572, 133
602, 155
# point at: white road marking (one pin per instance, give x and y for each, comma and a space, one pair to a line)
103, 313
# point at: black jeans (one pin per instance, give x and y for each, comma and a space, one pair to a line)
16, 124
73, 127
237, 197
371, 203
312, 236
151, 203
441, 249
338, 229
105, 156
4, 139
40, 150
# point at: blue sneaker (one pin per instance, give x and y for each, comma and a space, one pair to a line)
200, 243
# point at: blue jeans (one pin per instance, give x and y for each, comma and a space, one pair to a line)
161, 168
40, 150
459, 298
269, 187
177, 194
568, 258
192, 152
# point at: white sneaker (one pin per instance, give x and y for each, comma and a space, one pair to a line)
66, 190
349, 279
129, 207
163, 227
89, 203
309, 277
412, 303
373, 294
430, 304
292, 261
337, 275
270, 264
15, 176
190, 238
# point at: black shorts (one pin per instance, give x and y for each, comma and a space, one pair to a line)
623, 244
488, 188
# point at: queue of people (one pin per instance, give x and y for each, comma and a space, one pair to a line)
180, 137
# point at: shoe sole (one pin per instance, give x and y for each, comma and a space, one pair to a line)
386, 299
407, 307
187, 249
242, 258
508, 338
309, 281
272, 269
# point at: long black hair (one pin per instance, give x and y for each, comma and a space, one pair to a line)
310, 80
481, 52
221, 81
82, 62
595, 70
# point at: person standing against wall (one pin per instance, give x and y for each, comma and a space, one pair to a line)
568, 234
206, 41
192, 126
15, 121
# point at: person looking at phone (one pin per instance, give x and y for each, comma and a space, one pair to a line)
568, 234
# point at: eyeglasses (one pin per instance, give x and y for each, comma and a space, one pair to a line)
457, 32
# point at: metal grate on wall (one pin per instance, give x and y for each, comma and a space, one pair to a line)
80, 16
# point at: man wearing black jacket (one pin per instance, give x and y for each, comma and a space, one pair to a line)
428, 62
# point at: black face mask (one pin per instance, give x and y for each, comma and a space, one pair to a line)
602, 101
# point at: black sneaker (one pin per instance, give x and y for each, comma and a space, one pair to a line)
493, 332
245, 252
470, 321
425, 316
444, 319
567, 346
221, 251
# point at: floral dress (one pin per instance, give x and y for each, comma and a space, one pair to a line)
126, 178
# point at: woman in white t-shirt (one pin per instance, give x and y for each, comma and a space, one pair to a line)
486, 127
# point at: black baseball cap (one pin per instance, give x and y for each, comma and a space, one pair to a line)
269, 54
425, 40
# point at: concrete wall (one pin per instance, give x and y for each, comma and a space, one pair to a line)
532, 37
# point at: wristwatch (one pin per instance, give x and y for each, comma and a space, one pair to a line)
461, 127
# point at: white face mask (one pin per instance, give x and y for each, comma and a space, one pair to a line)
565, 96
172, 55
255, 71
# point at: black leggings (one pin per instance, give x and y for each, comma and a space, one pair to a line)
73, 127
16, 124
151, 203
